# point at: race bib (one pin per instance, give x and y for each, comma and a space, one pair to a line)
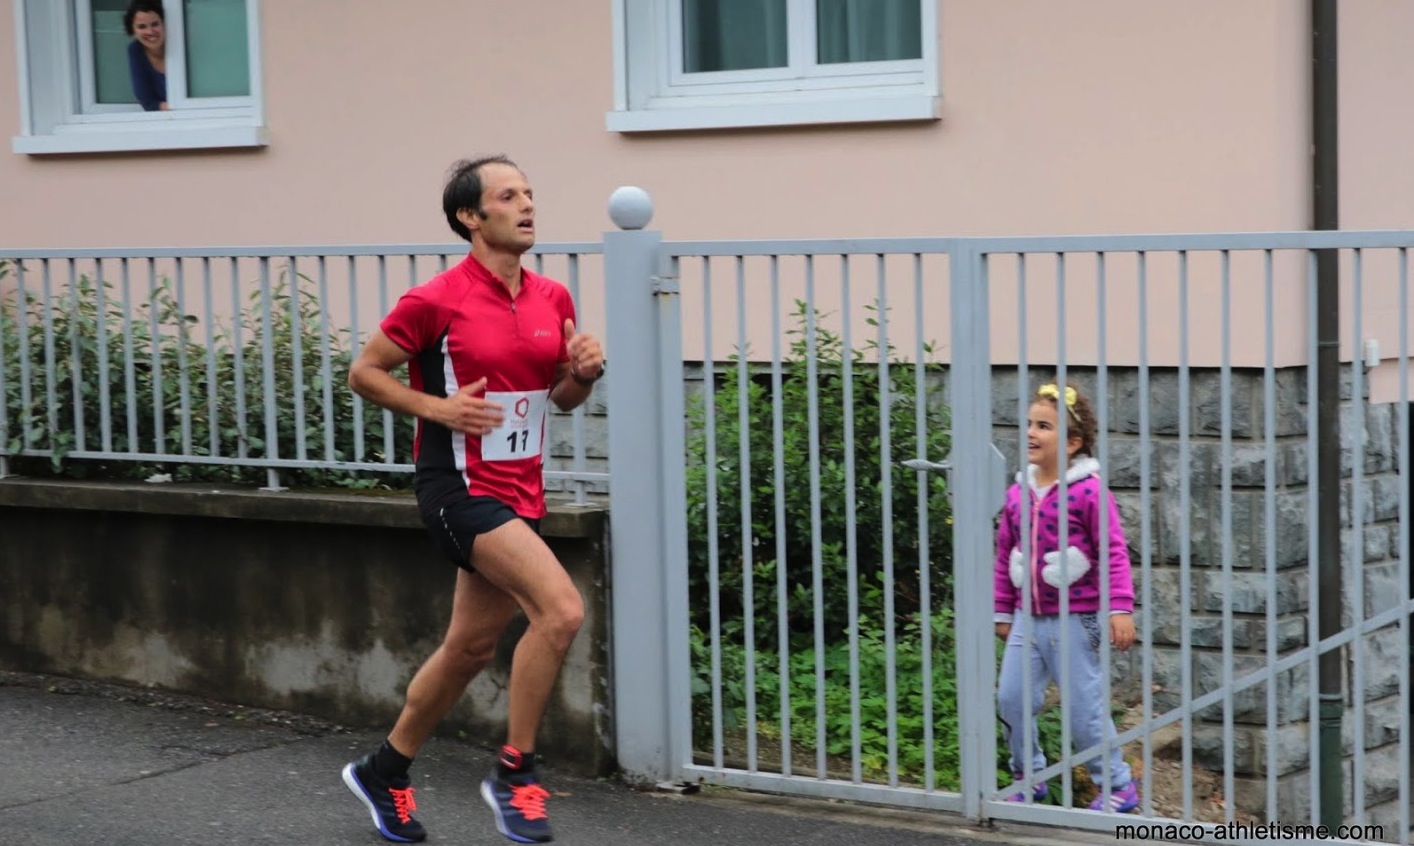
523, 429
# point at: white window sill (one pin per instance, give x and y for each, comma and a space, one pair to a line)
910, 107
114, 138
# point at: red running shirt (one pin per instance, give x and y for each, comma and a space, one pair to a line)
460, 326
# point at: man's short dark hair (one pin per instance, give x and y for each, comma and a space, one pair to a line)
153, 6
463, 190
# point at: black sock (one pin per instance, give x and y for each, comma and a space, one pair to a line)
389, 763
512, 761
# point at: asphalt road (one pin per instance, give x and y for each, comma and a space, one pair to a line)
84, 763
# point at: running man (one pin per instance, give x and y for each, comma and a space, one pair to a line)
488, 346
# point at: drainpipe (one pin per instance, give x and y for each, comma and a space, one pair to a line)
1326, 212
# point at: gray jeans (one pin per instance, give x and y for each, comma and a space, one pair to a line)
1090, 720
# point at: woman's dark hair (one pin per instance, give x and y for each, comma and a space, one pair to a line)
153, 6
1082, 423
463, 190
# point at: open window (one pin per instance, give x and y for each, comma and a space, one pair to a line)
689, 64
77, 93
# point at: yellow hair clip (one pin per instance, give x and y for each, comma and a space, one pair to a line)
1051, 391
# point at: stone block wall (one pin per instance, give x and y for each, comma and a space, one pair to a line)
1374, 546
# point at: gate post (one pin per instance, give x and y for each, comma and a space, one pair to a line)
972, 485
647, 497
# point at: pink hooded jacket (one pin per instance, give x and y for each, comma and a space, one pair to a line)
1050, 571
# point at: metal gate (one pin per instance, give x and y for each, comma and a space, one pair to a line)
802, 602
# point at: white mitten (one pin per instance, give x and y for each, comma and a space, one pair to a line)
1018, 567
1060, 574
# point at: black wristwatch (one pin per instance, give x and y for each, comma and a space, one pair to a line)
587, 383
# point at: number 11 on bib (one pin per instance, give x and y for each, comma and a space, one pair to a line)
522, 431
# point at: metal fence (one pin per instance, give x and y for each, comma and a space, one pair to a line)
213, 364
827, 619
813, 440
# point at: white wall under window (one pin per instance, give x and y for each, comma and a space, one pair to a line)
693, 64
76, 95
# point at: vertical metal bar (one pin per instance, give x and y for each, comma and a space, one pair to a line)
672, 510
267, 348
1405, 632
105, 388
851, 534
1102, 445
1358, 610
297, 363
971, 403
159, 378
779, 479
1063, 534
76, 379
1313, 635
1269, 427
183, 338
129, 361
709, 406
388, 421
1185, 508
4, 372
22, 329
1225, 405
581, 487
925, 580
354, 398
747, 474
213, 380
652, 651
1146, 533
50, 376
817, 564
326, 361
886, 504
238, 360
1027, 621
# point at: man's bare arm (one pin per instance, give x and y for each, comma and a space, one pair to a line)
370, 377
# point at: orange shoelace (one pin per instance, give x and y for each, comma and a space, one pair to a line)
529, 799
403, 802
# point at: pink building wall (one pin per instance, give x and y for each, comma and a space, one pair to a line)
1092, 116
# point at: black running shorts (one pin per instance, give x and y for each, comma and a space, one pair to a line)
455, 524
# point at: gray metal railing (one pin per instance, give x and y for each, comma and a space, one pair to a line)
218, 362
800, 606
1197, 351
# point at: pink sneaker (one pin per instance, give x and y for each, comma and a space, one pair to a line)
1121, 801
1038, 793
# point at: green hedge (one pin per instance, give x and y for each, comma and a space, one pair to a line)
170, 358
851, 635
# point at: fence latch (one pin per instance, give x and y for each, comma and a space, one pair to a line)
666, 284
996, 478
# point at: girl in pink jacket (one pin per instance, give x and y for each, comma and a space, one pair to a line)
1034, 566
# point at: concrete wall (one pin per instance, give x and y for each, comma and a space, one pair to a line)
325, 604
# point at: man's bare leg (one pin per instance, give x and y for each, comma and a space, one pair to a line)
480, 612
516, 560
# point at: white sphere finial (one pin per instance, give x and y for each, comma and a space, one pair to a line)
630, 207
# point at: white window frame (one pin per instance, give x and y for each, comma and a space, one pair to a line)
652, 93
58, 112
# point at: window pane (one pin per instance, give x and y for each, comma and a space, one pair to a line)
868, 30
722, 35
218, 55
110, 53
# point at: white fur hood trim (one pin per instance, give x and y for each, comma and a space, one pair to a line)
1081, 468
